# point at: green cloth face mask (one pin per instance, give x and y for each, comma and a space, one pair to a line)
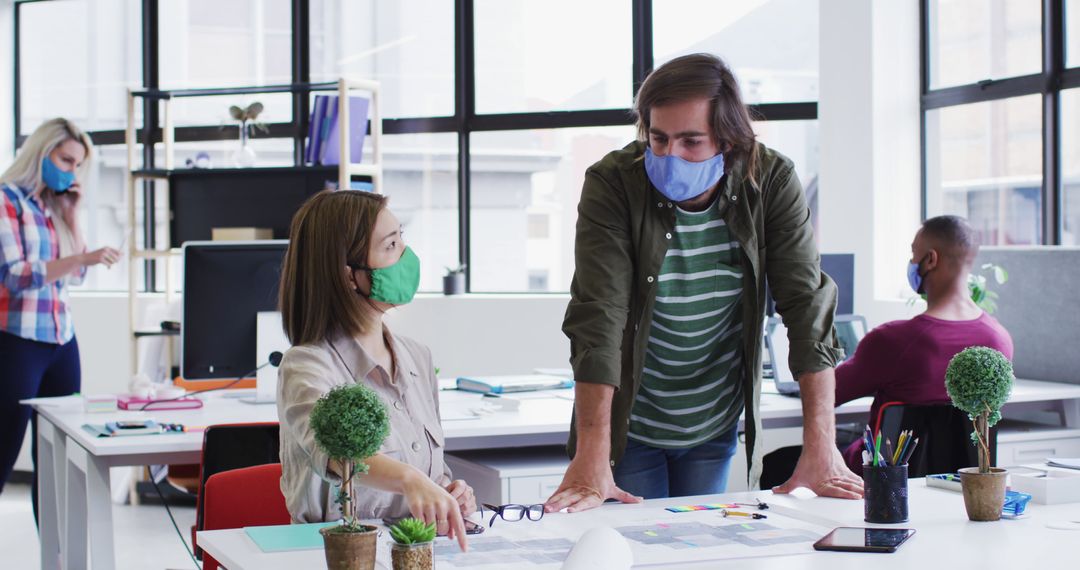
396, 284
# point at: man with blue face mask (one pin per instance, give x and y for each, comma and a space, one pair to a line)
676, 235
905, 361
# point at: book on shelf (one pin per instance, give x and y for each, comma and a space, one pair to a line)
324, 134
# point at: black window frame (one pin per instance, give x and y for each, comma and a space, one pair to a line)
464, 122
1049, 83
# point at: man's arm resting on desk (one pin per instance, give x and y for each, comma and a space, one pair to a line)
588, 481
821, 467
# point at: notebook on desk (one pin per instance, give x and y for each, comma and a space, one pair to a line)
282, 538
510, 384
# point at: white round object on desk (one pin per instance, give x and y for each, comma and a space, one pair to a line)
168, 392
600, 548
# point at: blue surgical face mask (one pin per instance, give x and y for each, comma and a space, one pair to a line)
913, 277
55, 178
680, 179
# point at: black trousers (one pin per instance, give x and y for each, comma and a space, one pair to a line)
30, 369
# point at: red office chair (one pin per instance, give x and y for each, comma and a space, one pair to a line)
233, 446
243, 497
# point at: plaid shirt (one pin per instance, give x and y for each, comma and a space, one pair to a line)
30, 307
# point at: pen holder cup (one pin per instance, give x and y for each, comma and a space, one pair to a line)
885, 493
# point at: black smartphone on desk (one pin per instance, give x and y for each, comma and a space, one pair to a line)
851, 539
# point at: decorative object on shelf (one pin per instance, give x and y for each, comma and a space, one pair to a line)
350, 424
453, 283
412, 548
978, 381
245, 155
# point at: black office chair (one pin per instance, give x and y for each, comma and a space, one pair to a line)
944, 434
234, 446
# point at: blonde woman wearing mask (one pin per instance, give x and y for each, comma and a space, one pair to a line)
42, 254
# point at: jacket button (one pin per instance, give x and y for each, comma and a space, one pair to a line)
668, 235
398, 405
649, 279
659, 204
416, 446
734, 198
669, 205
613, 463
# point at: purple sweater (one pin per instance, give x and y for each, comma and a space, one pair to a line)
905, 361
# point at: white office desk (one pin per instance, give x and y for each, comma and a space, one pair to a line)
74, 465
944, 537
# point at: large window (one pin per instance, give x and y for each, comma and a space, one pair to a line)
1000, 147
768, 71
76, 59
492, 109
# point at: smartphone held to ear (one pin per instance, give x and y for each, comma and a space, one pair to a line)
850, 539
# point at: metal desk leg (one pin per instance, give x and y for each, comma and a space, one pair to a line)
50, 474
89, 510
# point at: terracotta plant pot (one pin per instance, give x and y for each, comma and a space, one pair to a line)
984, 493
412, 556
349, 550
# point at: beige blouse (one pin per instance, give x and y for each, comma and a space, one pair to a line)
411, 397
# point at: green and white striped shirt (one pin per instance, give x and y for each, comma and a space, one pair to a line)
691, 390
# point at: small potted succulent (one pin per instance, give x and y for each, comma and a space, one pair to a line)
453, 283
412, 549
978, 381
350, 424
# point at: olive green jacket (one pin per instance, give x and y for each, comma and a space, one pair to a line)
623, 229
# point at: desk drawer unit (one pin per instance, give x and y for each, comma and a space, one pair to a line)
519, 475
1035, 445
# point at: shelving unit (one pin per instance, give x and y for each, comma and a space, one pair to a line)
163, 176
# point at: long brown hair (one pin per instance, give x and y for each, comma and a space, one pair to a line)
331, 230
698, 76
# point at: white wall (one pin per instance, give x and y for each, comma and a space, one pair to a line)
868, 115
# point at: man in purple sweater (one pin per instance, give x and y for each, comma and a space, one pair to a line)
905, 361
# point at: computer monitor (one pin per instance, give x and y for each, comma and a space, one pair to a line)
226, 284
839, 266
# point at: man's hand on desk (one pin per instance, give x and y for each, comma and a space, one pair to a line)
823, 473
586, 485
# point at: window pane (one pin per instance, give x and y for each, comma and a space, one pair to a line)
554, 55
525, 190
797, 140
83, 77
1072, 33
412, 57
768, 71
421, 180
984, 162
1070, 168
210, 44
972, 40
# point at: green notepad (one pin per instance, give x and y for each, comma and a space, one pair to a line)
280, 538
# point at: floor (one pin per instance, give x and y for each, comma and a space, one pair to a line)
145, 538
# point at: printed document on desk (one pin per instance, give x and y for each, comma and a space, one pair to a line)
510, 384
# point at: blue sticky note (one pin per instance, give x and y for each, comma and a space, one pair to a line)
281, 538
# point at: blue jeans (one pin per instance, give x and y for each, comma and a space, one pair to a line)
654, 473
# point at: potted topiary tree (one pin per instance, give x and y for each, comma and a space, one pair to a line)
978, 381
412, 545
350, 424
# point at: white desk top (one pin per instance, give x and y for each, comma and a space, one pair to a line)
944, 537
544, 414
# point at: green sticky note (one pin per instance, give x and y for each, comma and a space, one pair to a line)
281, 538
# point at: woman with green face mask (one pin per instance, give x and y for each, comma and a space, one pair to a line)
347, 264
